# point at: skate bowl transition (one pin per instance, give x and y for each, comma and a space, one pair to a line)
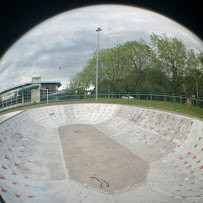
100, 153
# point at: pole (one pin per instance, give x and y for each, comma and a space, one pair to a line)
174, 105
47, 96
23, 98
97, 67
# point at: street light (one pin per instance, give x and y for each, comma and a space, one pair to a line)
97, 30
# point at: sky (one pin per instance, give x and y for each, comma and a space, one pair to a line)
60, 47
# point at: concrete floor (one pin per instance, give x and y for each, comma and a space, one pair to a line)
100, 153
94, 159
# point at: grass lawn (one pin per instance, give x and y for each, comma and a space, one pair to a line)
168, 106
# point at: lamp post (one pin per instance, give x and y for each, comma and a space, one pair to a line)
97, 30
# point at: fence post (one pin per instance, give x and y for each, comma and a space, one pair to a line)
147, 101
174, 104
23, 98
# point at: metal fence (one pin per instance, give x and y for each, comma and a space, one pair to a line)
15, 102
156, 97
185, 105
23, 100
138, 99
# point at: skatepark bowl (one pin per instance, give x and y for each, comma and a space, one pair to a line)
100, 153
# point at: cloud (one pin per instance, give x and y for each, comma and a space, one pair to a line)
69, 39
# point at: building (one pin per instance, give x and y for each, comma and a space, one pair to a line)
34, 92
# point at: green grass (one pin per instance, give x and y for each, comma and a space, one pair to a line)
168, 106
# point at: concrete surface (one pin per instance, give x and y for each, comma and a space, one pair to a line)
48, 154
94, 159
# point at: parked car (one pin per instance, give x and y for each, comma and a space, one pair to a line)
127, 97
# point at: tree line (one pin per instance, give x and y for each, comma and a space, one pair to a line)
163, 65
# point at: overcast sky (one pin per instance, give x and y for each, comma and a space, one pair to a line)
59, 47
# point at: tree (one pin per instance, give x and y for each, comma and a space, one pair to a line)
164, 65
154, 80
193, 74
140, 58
172, 53
113, 67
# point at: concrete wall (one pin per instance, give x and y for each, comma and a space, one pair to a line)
35, 96
30, 150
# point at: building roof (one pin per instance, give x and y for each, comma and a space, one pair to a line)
27, 84
25, 89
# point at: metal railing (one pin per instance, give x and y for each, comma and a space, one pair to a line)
22, 101
149, 100
146, 98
